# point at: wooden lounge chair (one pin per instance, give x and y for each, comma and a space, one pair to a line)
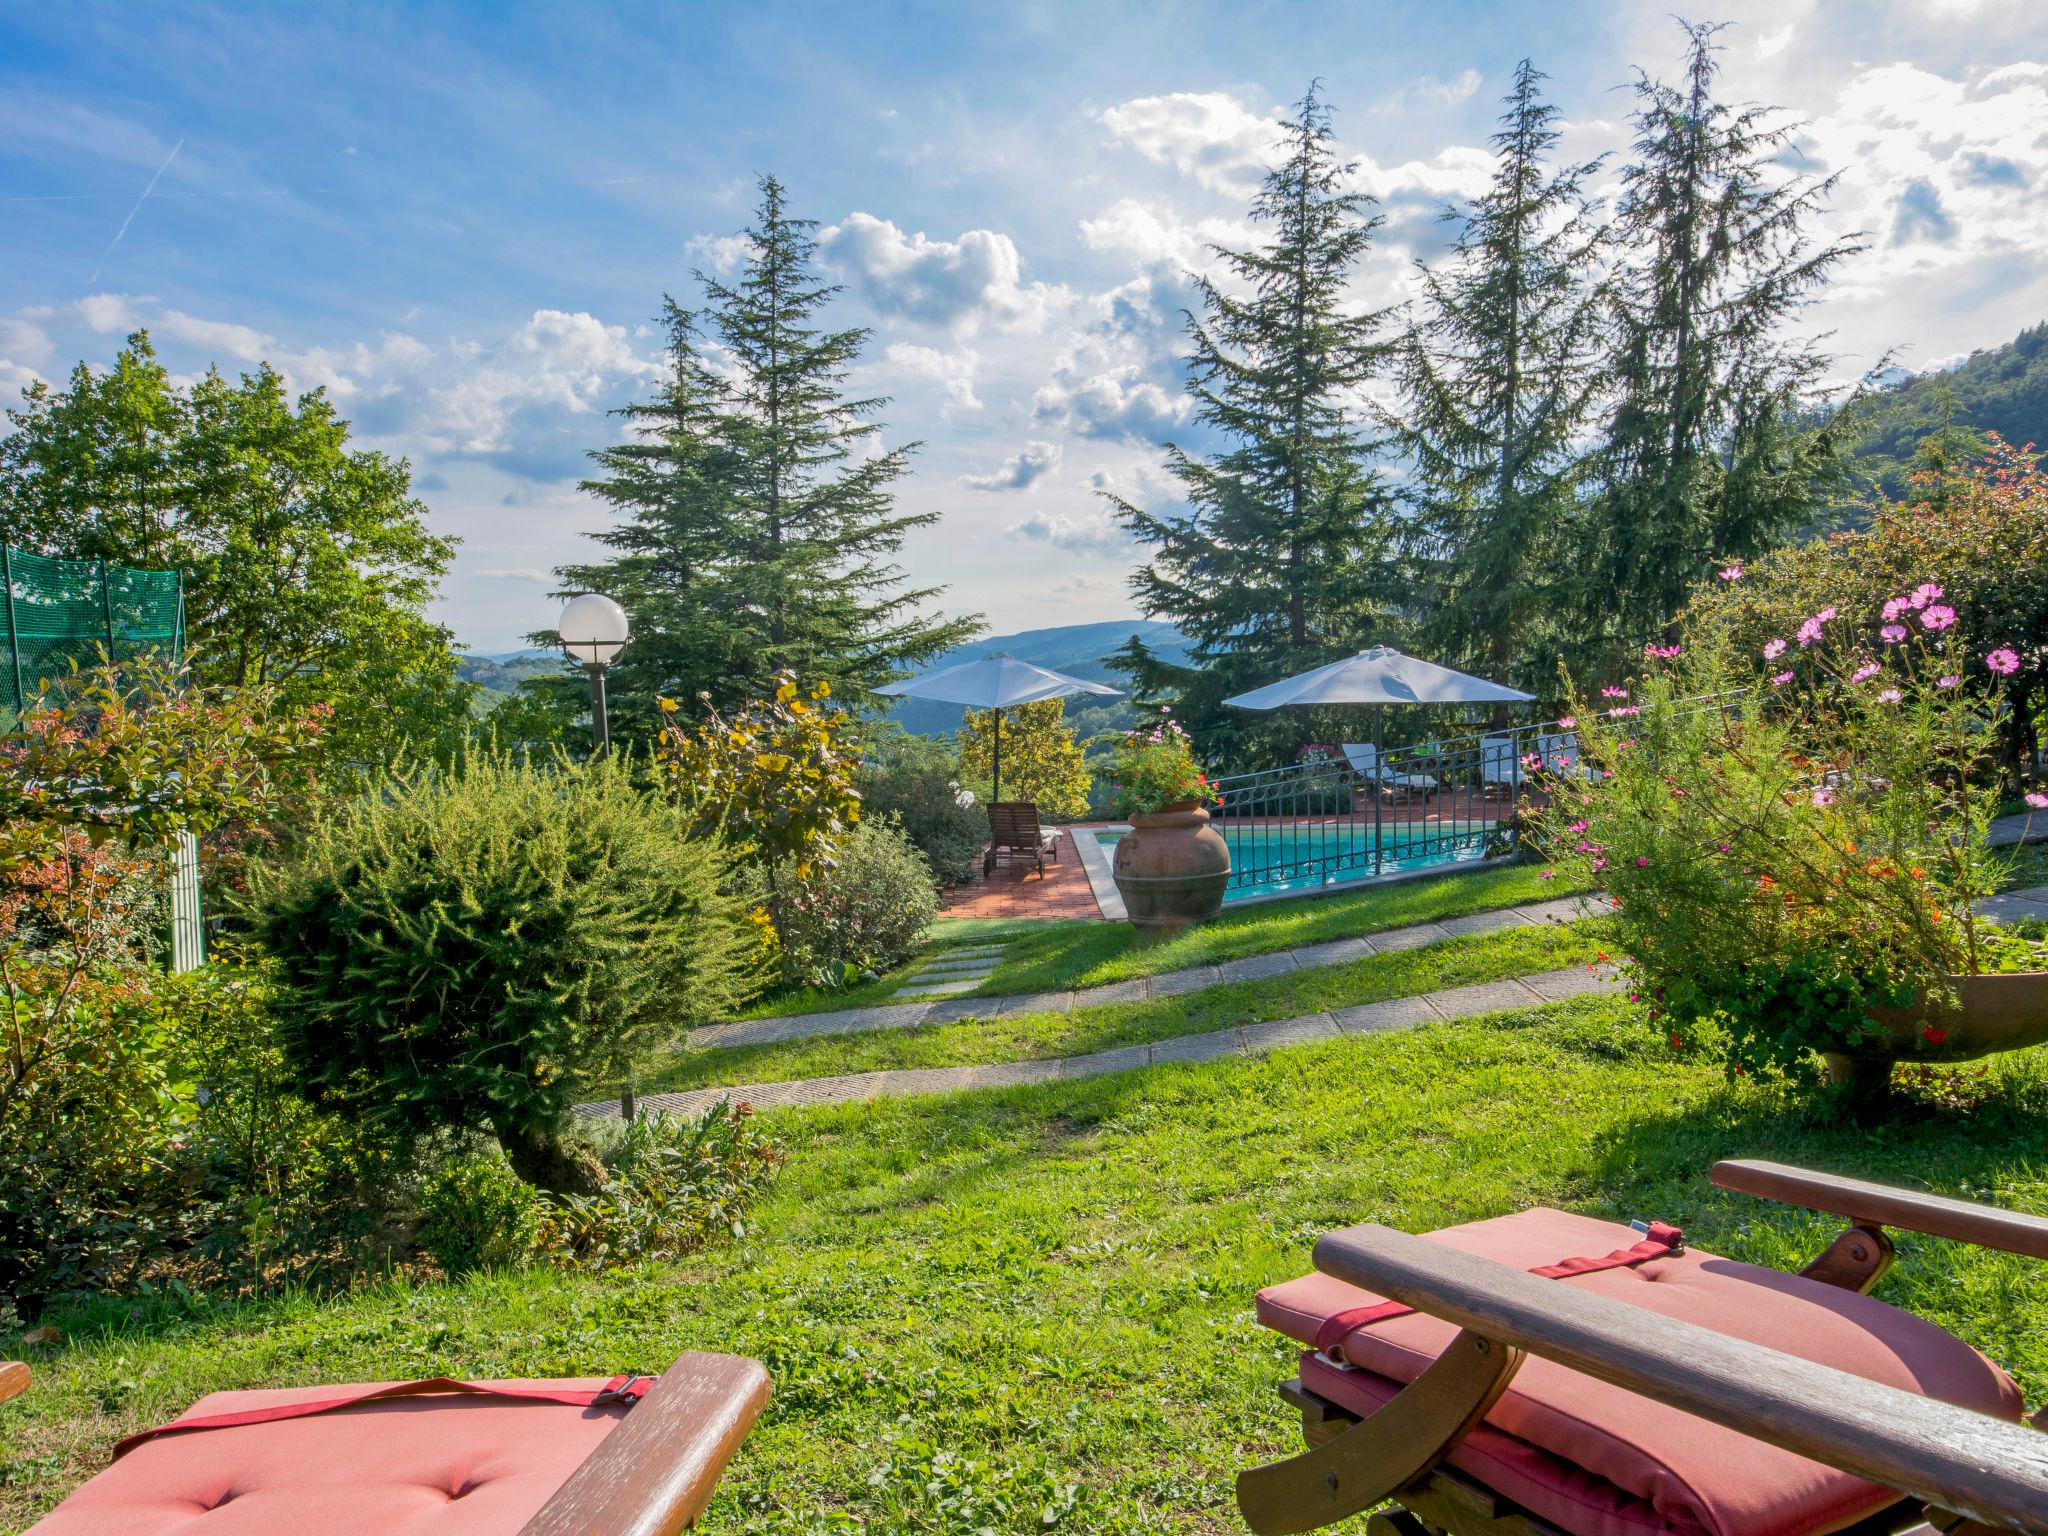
1544, 1374
1013, 830
1372, 768
498, 1459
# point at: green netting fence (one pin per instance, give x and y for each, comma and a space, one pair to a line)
65, 611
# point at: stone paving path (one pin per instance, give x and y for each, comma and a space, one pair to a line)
1250, 1040
952, 971
921, 1007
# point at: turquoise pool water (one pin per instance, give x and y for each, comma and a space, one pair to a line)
1275, 861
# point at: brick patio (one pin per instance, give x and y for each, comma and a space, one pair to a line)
1015, 889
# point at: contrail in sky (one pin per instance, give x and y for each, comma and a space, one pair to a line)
159, 176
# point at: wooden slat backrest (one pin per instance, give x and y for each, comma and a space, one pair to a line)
1884, 1205
1980, 1467
1013, 823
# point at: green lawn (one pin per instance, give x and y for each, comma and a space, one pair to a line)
1030, 1310
1046, 955
1034, 1036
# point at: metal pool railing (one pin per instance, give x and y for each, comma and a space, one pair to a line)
1362, 814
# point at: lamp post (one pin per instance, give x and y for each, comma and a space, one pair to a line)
593, 631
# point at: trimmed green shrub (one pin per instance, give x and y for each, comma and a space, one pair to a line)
917, 780
865, 916
479, 948
476, 1213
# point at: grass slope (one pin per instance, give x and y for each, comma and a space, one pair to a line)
1037, 1036
1031, 1309
1046, 955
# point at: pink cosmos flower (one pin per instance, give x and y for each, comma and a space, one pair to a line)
1773, 650
1825, 614
1893, 633
1781, 678
1613, 693
1823, 797
1894, 607
1925, 593
1865, 673
1940, 616
1949, 681
2038, 802
1567, 722
1889, 696
2005, 661
1548, 874
1730, 573
1809, 632
1576, 828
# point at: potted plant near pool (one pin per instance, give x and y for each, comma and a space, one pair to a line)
1171, 868
1792, 829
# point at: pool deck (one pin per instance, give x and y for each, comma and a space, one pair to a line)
1078, 885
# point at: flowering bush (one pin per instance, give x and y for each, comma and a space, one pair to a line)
864, 919
1155, 769
1794, 834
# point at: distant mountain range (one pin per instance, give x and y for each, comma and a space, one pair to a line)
1076, 649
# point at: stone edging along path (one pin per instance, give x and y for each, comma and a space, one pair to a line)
802, 1026
1251, 1039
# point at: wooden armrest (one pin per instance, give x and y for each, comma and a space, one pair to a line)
1977, 1466
653, 1475
13, 1379
1884, 1205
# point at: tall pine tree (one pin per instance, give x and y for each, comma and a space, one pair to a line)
671, 483
1277, 562
1499, 378
1710, 453
760, 531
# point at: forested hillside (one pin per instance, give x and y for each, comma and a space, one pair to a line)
2002, 389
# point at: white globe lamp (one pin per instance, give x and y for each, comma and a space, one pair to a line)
593, 629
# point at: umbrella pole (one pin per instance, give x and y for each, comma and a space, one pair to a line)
1379, 768
996, 789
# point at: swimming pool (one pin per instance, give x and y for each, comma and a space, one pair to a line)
1269, 860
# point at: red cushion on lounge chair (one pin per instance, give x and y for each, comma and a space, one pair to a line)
1668, 1469
416, 1466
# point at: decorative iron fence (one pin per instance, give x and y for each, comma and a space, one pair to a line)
1361, 813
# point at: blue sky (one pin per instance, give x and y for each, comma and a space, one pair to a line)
460, 220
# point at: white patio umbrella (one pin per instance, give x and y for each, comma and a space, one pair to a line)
1379, 677
993, 682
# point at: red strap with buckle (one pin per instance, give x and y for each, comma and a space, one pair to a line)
623, 1390
1662, 1242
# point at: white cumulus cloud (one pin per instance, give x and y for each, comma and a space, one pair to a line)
1020, 470
959, 284
1091, 535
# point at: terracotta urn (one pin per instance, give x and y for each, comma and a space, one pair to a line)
1964, 1018
1171, 869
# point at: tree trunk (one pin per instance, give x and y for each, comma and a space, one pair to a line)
552, 1162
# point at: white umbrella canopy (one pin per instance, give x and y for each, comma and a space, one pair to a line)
1381, 675
993, 682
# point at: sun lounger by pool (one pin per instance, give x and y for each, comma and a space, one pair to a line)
1371, 768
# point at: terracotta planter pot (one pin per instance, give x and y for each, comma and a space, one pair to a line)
1987, 1014
1171, 869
